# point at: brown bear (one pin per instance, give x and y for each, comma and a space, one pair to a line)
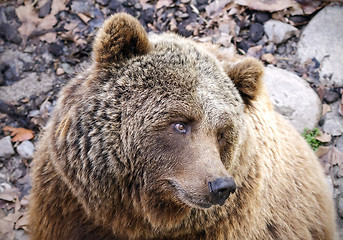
164, 138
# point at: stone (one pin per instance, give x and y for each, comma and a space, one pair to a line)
322, 39
32, 84
6, 148
9, 33
340, 206
26, 149
279, 32
256, 32
339, 143
333, 121
331, 97
293, 98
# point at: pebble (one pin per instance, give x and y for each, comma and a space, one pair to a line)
6, 148
279, 32
331, 97
340, 206
262, 17
256, 32
293, 98
26, 149
9, 33
103, 2
56, 49
45, 9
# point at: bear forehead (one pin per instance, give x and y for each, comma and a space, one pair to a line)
187, 77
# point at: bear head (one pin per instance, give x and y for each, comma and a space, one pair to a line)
164, 119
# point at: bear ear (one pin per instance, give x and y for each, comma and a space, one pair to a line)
121, 37
246, 73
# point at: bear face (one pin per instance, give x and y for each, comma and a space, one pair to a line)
163, 138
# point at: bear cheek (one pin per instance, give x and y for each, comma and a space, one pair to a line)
198, 178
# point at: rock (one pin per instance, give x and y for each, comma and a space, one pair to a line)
45, 9
340, 206
103, 2
6, 148
256, 32
9, 33
279, 32
56, 49
339, 143
322, 39
32, 84
26, 149
333, 122
293, 98
262, 17
331, 97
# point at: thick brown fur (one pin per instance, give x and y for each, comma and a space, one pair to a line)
111, 163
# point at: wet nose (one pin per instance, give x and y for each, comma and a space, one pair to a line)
221, 188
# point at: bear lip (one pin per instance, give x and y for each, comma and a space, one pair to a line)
187, 198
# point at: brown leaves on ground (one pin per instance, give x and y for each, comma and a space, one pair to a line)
19, 134
295, 7
31, 23
13, 215
329, 157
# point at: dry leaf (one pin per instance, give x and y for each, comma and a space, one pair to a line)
268, 5
57, 6
28, 17
162, 3
22, 222
19, 134
269, 58
326, 109
324, 137
329, 157
255, 52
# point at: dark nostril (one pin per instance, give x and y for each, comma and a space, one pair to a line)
221, 188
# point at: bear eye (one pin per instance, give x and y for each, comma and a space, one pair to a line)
180, 128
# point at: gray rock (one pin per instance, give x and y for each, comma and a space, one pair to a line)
333, 122
6, 148
323, 39
340, 206
339, 143
293, 98
279, 32
32, 84
26, 149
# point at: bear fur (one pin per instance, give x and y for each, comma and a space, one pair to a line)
136, 140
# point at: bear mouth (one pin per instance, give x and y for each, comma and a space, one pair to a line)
192, 200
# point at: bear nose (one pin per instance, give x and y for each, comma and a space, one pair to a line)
221, 188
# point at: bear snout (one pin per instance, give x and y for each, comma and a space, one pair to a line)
221, 188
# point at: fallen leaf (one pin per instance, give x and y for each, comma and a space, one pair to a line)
22, 222
83, 17
57, 6
255, 52
28, 17
268, 5
324, 137
326, 109
19, 134
329, 157
269, 58
162, 3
